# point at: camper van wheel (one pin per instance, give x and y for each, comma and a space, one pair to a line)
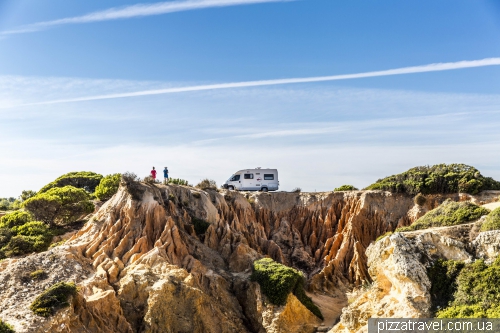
264, 189
230, 188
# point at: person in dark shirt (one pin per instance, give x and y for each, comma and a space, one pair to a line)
165, 175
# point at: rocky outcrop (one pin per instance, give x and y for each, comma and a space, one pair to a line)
148, 265
487, 245
398, 265
401, 288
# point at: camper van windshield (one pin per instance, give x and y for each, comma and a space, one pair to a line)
235, 178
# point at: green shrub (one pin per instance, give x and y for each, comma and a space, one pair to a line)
82, 179
4, 204
54, 298
441, 178
207, 184
5, 328
33, 228
178, 181
30, 237
346, 188
477, 293
25, 195
20, 244
108, 186
39, 274
5, 236
200, 226
16, 218
384, 235
60, 205
447, 214
277, 281
443, 275
420, 199
301, 295
492, 221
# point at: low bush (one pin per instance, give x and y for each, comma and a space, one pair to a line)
133, 185
207, 184
82, 179
108, 187
492, 221
5, 236
440, 178
346, 188
420, 199
24, 236
277, 281
447, 214
443, 275
38, 275
60, 205
384, 235
149, 180
16, 218
178, 181
129, 177
5, 328
20, 244
54, 298
297, 190
200, 226
477, 294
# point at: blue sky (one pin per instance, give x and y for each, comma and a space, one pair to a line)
319, 134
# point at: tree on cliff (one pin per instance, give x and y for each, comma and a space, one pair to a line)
108, 186
60, 205
440, 178
82, 179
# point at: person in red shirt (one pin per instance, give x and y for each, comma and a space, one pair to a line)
153, 174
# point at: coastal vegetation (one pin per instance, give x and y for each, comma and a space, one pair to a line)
277, 281
447, 214
437, 179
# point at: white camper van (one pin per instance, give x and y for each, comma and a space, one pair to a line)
253, 180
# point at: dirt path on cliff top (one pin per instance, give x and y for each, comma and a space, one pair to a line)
492, 205
331, 307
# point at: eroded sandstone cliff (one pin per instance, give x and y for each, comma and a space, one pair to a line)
141, 266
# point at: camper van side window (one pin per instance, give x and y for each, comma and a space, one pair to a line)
268, 176
248, 175
235, 178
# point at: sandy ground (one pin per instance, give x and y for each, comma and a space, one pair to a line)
331, 307
492, 205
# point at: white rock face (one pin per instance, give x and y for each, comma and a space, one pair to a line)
401, 288
487, 245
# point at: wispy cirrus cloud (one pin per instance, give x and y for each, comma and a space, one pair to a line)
138, 10
436, 67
